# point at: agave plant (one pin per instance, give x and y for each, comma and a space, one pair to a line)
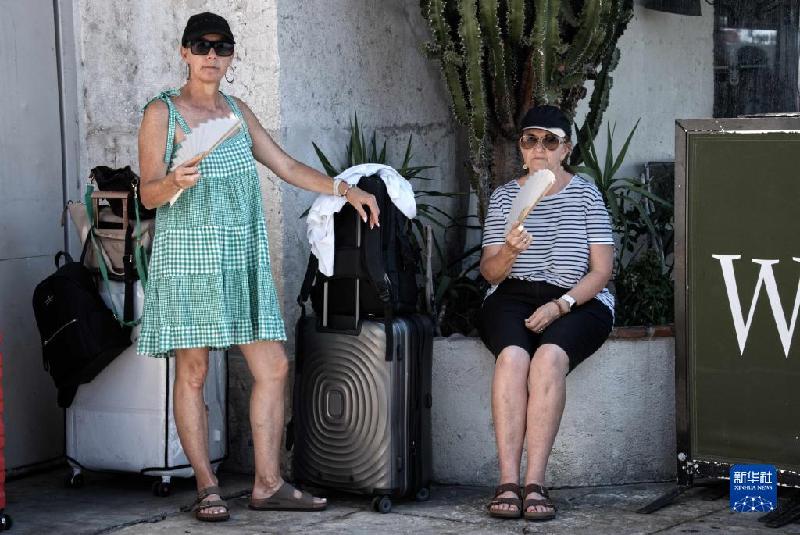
641, 271
359, 151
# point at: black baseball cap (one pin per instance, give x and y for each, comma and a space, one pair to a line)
204, 23
549, 118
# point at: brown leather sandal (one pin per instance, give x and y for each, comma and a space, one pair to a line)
505, 513
545, 501
285, 500
201, 505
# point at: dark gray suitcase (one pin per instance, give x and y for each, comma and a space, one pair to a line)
362, 414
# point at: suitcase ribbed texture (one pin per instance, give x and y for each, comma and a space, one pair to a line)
362, 413
346, 409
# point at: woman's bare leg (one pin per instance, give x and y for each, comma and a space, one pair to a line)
547, 396
191, 417
270, 368
509, 399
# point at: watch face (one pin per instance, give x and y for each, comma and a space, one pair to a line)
569, 299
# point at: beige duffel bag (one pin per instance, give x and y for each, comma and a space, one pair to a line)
109, 229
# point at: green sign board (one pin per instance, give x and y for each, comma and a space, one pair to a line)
738, 294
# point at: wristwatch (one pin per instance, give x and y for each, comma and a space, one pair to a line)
569, 299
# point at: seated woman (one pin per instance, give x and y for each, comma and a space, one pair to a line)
548, 309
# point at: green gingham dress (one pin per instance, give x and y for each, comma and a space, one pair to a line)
210, 282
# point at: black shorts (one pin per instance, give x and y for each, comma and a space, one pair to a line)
579, 333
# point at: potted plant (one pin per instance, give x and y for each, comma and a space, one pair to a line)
642, 220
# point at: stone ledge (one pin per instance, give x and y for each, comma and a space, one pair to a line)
643, 332
618, 425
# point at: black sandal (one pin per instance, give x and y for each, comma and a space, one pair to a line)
545, 501
505, 513
200, 505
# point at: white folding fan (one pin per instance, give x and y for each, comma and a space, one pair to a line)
529, 195
203, 139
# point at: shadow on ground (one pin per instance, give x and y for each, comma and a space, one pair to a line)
124, 504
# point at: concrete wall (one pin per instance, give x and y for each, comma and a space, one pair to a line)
665, 73
128, 52
337, 59
618, 424
31, 199
333, 62
356, 56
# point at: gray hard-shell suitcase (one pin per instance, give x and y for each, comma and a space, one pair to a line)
362, 400
362, 392
362, 414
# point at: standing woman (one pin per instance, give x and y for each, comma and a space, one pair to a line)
210, 282
549, 310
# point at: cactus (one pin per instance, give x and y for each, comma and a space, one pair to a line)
499, 57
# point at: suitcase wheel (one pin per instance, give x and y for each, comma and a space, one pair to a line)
382, 504
423, 494
161, 489
74, 481
5, 522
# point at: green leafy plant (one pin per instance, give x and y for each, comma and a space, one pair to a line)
460, 289
642, 223
645, 292
359, 151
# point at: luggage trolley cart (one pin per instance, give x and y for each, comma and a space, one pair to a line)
122, 421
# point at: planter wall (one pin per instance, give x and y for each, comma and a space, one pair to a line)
618, 424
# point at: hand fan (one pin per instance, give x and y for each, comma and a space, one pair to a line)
529, 195
204, 139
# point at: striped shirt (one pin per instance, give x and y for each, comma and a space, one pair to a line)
562, 226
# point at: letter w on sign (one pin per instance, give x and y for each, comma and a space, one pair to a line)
765, 278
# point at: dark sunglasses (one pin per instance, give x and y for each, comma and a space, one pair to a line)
550, 141
201, 47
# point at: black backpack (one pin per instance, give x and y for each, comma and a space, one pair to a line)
80, 335
374, 270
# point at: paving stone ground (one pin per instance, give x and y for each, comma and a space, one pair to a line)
123, 504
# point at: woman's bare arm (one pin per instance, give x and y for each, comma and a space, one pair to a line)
497, 260
157, 186
601, 264
267, 152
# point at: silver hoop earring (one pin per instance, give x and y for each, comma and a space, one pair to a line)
525, 166
229, 80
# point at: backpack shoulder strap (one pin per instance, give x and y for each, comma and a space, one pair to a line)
373, 262
372, 246
308, 282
